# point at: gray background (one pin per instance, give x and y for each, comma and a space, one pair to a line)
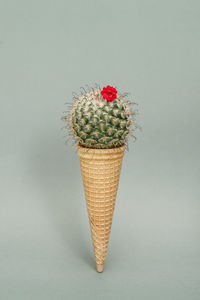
49, 49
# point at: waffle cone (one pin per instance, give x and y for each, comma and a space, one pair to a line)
100, 170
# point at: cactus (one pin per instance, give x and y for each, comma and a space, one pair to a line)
99, 120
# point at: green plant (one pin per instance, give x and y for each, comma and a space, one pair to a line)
101, 118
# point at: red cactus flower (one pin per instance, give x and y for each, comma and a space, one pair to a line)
109, 93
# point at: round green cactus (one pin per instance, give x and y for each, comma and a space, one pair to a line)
100, 119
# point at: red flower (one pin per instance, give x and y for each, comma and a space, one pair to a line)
109, 93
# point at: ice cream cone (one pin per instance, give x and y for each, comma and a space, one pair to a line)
100, 170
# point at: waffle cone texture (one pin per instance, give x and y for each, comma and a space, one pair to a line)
100, 170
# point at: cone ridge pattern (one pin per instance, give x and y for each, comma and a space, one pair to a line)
100, 173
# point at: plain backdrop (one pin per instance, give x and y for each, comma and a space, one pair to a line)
48, 49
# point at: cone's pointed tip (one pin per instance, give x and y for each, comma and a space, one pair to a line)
100, 268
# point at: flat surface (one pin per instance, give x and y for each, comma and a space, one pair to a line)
49, 49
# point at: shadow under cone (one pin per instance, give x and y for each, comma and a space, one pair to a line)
100, 170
